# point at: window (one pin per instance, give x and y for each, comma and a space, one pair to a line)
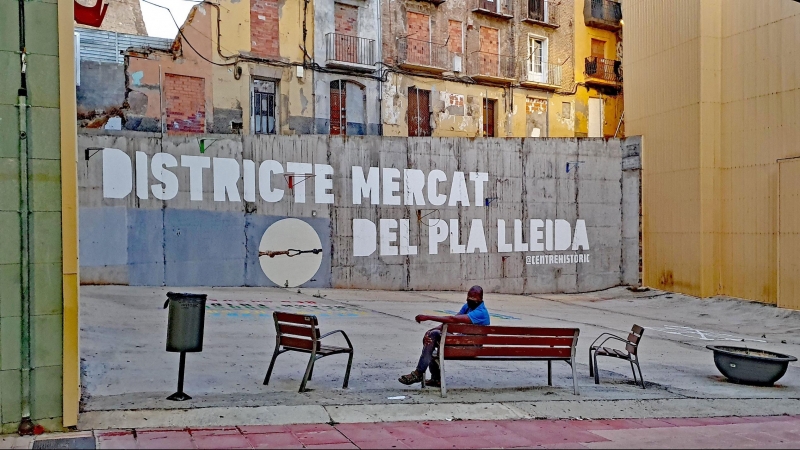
418, 114
264, 120
566, 110
537, 59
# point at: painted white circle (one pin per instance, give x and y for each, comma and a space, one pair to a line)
290, 235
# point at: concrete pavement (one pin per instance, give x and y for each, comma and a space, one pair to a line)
127, 374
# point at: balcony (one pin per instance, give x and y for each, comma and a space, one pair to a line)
541, 75
349, 52
542, 12
492, 68
501, 9
601, 71
605, 14
434, 2
423, 56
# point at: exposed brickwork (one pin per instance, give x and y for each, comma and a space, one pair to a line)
264, 31
489, 59
455, 41
185, 104
419, 26
346, 17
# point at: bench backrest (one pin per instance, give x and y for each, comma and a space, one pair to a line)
298, 331
633, 339
476, 340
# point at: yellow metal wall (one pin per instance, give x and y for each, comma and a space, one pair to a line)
712, 87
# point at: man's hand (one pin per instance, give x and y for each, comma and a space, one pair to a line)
427, 340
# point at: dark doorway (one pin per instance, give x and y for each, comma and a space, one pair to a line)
419, 112
488, 117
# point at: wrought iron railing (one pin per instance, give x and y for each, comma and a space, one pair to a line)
351, 49
604, 69
607, 10
424, 53
540, 72
492, 65
497, 7
543, 11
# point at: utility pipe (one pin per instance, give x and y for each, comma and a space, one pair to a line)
26, 424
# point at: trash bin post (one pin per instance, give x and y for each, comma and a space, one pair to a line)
184, 331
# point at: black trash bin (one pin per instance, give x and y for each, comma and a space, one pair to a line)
185, 330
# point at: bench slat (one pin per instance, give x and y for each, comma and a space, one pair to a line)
296, 318
516, 331
471, 352
307, 332
508, 340
292, 342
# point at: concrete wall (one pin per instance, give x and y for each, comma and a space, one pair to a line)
102, 86
130, 237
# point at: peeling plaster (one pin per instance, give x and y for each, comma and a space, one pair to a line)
137, 78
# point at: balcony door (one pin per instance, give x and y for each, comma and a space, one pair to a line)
537, 10
490, 5
537, 59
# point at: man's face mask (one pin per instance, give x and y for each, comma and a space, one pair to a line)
472, 304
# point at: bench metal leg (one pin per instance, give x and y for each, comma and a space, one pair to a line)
591, 366
574, 378
596, 370
271, 365
309, 369
549, 373
635, 381
347, 371
640, 373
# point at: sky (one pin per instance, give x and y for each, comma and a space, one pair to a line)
158, 21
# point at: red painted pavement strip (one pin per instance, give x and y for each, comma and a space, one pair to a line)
273, 440
115, 439
741, 432
164, 439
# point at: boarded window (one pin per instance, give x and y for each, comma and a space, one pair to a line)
455, 38
419, 112
598, 48
346, 19
264, 28
185, 102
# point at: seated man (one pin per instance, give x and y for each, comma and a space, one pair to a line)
473, 312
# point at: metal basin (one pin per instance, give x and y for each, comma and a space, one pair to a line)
750, 366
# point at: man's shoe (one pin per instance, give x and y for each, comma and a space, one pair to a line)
433, 383
411, 378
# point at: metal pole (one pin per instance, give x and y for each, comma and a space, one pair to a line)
180, 395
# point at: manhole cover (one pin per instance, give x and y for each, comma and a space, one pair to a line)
86, 442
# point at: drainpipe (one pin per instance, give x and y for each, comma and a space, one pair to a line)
380, 60
25, 425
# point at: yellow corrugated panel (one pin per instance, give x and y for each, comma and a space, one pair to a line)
789, 235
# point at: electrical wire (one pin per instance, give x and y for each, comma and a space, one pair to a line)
180, 31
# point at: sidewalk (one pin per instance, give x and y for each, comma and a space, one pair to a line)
127, 374
714, 432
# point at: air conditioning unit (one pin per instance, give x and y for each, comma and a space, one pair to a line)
456, 63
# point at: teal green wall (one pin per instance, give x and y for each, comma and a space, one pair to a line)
45, 225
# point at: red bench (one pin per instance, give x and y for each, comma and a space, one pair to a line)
494, 343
